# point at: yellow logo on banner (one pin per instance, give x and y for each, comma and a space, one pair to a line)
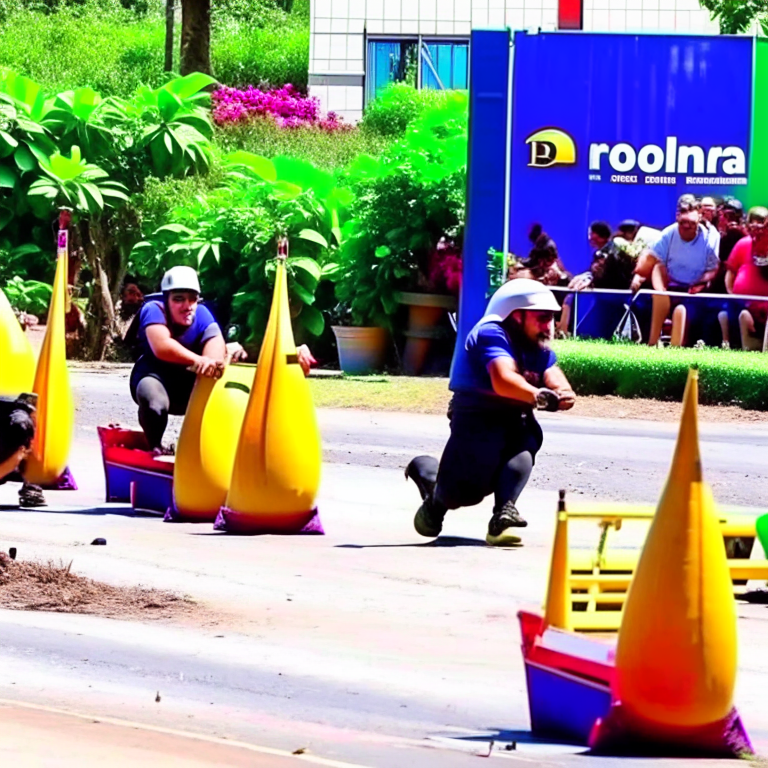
549, 147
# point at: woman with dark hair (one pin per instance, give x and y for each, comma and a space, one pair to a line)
543, 261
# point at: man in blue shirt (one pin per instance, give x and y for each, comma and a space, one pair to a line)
177, 339
685, 261
507, 371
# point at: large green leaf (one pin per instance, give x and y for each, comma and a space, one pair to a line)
7, 144
312, 319
8, 177
261, 166
190, 84
169, 104
286, 191
313, 236
24, 158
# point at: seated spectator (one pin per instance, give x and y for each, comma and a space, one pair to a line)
543, 262
731, 226
709, 221
684, 261
611, 268
628, 230
748, 275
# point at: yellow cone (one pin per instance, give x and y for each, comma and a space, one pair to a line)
17, 360
676, 653
55, 407
208, 442
557, 611
277, 467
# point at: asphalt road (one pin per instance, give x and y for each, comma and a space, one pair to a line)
368, 646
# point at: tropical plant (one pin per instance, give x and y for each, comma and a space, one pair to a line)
735, 16
30, 296
408, 200
231, 236
71, 182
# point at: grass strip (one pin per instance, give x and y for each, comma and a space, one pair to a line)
593, 367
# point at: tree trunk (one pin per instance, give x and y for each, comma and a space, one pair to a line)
170, 10
106, 265
195, 36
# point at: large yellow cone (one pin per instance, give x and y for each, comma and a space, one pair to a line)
277, 467
676, 654
17, 360
55, 408
208, 442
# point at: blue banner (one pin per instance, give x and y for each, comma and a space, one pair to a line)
612, 127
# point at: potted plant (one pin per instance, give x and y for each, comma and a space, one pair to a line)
362, 348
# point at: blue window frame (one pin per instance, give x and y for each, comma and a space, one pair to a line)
448, 61
444, 64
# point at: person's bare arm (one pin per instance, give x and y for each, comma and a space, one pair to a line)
166, 348
556, 380
659, 277
705, 281
643, 271
730, 279
508, 382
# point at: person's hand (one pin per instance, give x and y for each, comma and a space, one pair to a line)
547, 400
697, 287
567, 399
637, 283
306, 360
235, 352
580, 282
208, 367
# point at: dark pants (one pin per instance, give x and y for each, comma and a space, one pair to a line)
156, 401
488, 452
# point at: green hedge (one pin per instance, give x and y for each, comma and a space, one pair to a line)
725, 377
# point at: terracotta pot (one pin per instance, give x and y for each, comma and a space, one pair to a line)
361, 350
425, 310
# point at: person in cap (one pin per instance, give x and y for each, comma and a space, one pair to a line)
507, 372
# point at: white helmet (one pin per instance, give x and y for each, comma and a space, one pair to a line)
180, 279
520, 293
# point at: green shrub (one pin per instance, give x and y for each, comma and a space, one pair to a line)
242, 54
322, 148
398, 106
108, 49
725, 377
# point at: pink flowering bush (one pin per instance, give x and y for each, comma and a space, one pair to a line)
286, 105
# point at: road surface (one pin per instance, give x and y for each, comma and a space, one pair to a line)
368, 646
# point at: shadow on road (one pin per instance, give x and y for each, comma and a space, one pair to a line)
443, 541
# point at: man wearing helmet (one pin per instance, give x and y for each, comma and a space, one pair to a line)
505, 371
177, 339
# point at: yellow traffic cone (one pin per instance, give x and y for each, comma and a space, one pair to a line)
277, 466
55, 406
676, 654
557, 610
17, 360
208, 442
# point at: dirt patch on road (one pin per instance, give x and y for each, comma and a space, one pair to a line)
38, 586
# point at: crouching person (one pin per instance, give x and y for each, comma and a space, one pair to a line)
17, 431
507, 372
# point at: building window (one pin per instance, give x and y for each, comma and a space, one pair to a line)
390, 61
441, 64
445, 65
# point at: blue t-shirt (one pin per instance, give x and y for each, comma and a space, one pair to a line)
686, 262
175, 377
486, 342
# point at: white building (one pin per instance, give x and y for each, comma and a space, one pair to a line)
357, 46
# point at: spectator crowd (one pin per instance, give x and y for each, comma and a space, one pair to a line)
711, 248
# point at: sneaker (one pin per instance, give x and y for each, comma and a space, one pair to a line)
31, 496
423, 471
164, 450
499, 533
428, 521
